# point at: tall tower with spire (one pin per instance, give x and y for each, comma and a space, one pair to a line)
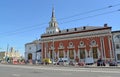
53, 25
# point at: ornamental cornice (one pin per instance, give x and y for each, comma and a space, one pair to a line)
82, 46
94, 45
61, 47
78, 35
71, 47
51, 48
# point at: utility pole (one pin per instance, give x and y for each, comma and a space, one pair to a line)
7, 47
53, 50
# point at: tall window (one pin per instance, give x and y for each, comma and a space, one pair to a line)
70, 44
117, 46
95, 54
82, 53
71, 54
118, 56
61, 54
93, 42
51, 54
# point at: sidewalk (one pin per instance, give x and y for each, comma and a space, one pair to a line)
95, 66
75, 66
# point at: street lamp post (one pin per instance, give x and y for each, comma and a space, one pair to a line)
53, 50
36, 53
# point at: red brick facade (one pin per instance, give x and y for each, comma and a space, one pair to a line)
79, 44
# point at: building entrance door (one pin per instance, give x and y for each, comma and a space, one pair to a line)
30, 56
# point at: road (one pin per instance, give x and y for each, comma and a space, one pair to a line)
50, 71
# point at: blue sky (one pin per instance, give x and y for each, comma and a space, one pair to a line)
22, 21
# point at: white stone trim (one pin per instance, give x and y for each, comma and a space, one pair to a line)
101, 45
109, 39
80, 35
49, 54
64, 53
98, 52
58, 54
68, 54
78, 54
104, 48
74, 54
86, 53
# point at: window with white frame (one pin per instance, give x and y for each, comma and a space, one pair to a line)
93, 42
70, 44
60, 45
81, 43
117, 46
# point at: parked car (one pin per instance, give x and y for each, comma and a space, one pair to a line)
113, 63
72, 63
81, 63
47, 61
101, 62
39, 62
62, 61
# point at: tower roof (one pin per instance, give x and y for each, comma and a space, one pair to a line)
53, 25
53, 15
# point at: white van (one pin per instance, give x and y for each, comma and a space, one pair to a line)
89, 61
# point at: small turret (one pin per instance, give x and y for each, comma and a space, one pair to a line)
53, 25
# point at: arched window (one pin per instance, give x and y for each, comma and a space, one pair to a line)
81, 43
60, 44
70, 44
118, 36
93, 42
117, 39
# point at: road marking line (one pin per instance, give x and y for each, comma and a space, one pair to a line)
16, 75
66, 69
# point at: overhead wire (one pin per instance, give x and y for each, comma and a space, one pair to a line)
91, 16
23, 28
87, 12
33, 26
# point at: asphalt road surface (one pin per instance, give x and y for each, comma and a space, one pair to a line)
50, 71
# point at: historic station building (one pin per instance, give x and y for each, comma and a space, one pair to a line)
76, 44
